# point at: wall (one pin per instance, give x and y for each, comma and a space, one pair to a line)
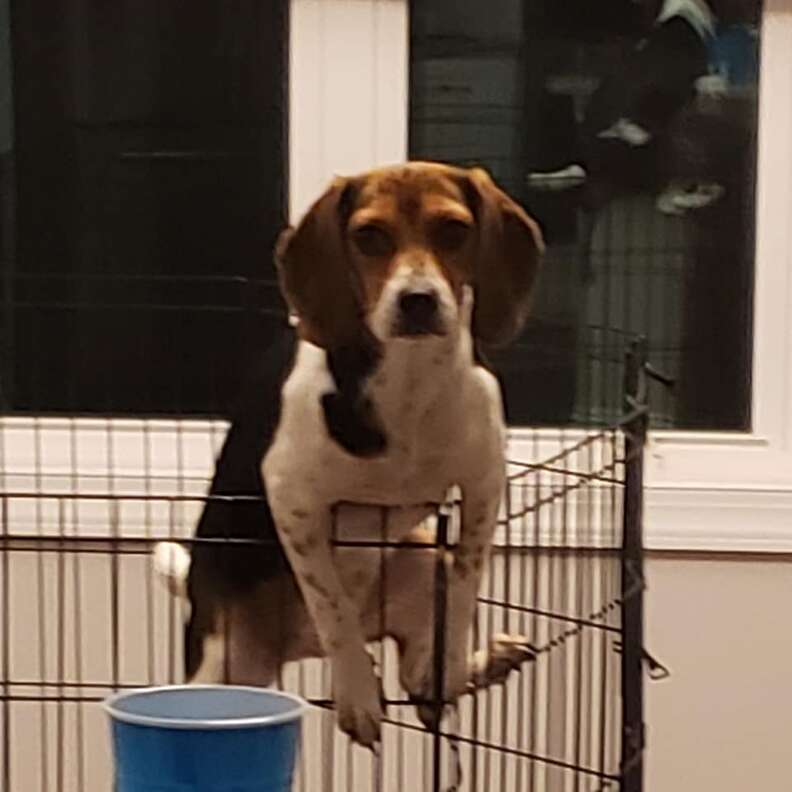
77, 620
347, 91
723, 721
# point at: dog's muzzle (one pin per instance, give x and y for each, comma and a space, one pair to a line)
418, 313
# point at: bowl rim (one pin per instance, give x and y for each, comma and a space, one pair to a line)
110, 706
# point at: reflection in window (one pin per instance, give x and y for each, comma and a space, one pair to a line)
145, 184
629, 130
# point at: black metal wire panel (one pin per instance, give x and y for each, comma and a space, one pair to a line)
82, 615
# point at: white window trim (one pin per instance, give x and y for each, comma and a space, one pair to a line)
732, 492
348, 112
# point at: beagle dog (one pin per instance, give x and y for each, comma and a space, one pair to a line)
365, 418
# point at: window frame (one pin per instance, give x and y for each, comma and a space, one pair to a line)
348, 110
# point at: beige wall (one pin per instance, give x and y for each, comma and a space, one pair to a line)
575, 682
723, 721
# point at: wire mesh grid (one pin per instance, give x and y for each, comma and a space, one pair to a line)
82, 615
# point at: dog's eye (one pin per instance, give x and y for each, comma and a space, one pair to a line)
450, 235
373, 240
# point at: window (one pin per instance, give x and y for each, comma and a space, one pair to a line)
143, 192
348, 110
628, 129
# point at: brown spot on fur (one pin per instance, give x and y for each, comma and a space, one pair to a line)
461, 567
300, 514
299, 548
360, 580
314, 584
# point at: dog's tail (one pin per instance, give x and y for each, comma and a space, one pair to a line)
172, 565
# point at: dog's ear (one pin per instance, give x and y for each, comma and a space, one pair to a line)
510, 249
316, 275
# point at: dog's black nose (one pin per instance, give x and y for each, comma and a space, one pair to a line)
418, 311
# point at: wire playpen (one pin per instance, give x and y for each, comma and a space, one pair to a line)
138, 202
83, 615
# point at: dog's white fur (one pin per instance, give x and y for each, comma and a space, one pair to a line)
441, 413
444, 423
172, 564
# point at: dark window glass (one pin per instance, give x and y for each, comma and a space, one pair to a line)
628, 129
142, 183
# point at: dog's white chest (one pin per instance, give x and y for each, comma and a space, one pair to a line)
435, 415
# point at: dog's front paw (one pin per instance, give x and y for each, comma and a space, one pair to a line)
357, 697
505, 654
419, 679
457, 674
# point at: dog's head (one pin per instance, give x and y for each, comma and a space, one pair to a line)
397, 252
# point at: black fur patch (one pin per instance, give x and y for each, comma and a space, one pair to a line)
237, 508
353, 425
350, 417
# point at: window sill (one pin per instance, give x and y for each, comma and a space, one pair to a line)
168, 464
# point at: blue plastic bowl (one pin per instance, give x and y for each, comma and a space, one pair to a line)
205, 738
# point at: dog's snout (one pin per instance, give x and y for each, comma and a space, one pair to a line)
418, 312
418, 306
